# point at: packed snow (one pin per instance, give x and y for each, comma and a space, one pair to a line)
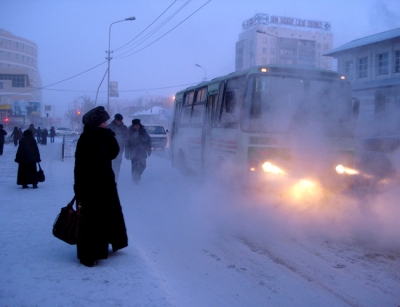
197, 243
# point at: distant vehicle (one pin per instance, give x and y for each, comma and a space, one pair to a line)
62, 131
158, 136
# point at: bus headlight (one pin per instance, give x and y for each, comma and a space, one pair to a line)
340, 169
268, 167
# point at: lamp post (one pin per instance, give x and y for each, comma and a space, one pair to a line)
109, 59
205, 73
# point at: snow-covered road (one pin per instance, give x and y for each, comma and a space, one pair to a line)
198, 243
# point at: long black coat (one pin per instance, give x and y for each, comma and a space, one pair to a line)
27, 156
96, 191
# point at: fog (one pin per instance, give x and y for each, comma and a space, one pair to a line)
213, 239
73, 37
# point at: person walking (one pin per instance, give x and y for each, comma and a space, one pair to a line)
52, 134
38, 135
15, 136
120, 130
45, 133
33, 129
27, 156
138, 149
3, 133
96, 191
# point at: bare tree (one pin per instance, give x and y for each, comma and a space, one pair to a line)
77, 109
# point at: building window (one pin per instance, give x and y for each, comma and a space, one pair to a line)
1, 85
363, 67
397, 61
264, 60
383, 63
16, 79
349, 68
264, 40
264, 50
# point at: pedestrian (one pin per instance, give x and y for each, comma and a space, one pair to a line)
38, 135
20, 134
15, 136
96, 191
27, 156
45, 133
33, 129
52, 134
3, 133
138, 149
120, 131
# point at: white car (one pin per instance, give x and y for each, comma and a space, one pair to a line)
158, 136
66, 132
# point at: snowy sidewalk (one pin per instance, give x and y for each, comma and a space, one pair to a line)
37, 269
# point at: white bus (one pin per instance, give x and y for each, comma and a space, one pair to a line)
275, 119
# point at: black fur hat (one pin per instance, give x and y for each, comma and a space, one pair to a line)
118, 117
95, 117
136, 121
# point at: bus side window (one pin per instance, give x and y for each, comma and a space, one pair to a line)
230, 109
187, 109
198, 107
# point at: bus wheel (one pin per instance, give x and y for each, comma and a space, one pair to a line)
182, 163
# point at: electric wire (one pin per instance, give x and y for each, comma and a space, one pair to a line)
123, 46
152, 32
166, 32
85, 71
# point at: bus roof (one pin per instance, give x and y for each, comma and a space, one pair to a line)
293, 70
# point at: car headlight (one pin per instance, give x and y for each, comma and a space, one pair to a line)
342, 170
268, 167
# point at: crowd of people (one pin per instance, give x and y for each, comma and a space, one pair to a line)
98, 156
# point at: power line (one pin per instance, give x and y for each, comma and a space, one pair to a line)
142, 40
147, 27
126, 91
45, 87
81, 73
166, 32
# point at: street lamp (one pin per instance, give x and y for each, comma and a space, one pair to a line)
205, 73
109, 59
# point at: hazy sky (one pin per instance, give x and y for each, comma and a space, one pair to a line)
72, 37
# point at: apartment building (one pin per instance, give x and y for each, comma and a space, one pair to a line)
372, 65
20, 82
270, 39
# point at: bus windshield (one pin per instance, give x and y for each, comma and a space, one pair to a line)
281, 104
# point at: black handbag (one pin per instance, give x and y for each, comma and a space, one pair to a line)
66, 225
40, 175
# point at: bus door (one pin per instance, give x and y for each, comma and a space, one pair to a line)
210, 111
196, 126
224, 137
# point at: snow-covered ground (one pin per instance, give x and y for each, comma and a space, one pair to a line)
195, 243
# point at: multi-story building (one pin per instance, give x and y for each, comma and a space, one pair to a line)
269, 39
20, 82
372, 65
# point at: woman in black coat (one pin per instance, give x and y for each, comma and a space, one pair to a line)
45, 133
96, 191
27, 156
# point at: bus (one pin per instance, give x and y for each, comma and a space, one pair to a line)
267, 121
